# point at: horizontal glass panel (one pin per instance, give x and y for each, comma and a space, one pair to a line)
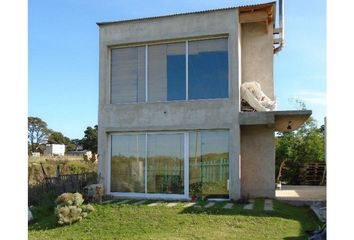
128, 163
165, 163
208, 69
209, 164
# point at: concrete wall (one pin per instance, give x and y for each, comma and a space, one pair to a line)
257, 161
54, 149
257, 55
179, 115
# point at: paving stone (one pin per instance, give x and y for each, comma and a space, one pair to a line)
122, 202
189, 204
154, 204
140, 202
108, 201
248, 206
172, 204
252, 201
268, 205
209, 205
229, 206
197, 206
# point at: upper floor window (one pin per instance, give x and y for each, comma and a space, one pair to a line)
154, 73
208, 69
167, 72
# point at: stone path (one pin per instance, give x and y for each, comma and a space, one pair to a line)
191, 204
229, 206
122, 202
140, 202
108, 201
249, 206
209, 205
172, 204
268, 205
154, 204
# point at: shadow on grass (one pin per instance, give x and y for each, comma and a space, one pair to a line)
303, 215
43, 223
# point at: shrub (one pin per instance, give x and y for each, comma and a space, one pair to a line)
70, 208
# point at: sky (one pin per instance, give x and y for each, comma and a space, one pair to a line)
63, 55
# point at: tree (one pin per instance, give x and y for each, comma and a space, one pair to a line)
89, 141
59, 138
304, 145
37, 132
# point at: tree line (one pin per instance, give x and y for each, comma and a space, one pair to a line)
39, 135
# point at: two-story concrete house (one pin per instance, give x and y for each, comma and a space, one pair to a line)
170, 119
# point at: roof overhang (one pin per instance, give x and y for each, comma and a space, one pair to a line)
258, 13
283, 121
258, 9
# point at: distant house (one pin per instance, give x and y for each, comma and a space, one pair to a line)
77, 152
36, 154
54, 150
171, 120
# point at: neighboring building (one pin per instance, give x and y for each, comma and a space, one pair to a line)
77, 152
170, 119
79, 148
36, 154
54, 149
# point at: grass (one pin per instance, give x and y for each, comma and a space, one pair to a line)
126, 221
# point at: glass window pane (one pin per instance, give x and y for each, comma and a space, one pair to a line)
165, 163
128, 162
167, 72
208, 69
128, 75
176, 71
209, 163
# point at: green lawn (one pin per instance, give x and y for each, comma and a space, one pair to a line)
126, 221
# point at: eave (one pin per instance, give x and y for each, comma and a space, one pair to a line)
283, 121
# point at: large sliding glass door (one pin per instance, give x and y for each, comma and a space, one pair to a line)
178, 164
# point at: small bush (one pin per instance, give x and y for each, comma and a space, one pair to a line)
70, 208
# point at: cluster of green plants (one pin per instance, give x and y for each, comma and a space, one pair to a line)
70, 208
305, 145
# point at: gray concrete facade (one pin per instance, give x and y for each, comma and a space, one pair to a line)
250, 52
177, 115
257, 55
258, 161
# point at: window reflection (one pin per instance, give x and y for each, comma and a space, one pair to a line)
208, 69
165, 163
208, 163
167, 72
127, 166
